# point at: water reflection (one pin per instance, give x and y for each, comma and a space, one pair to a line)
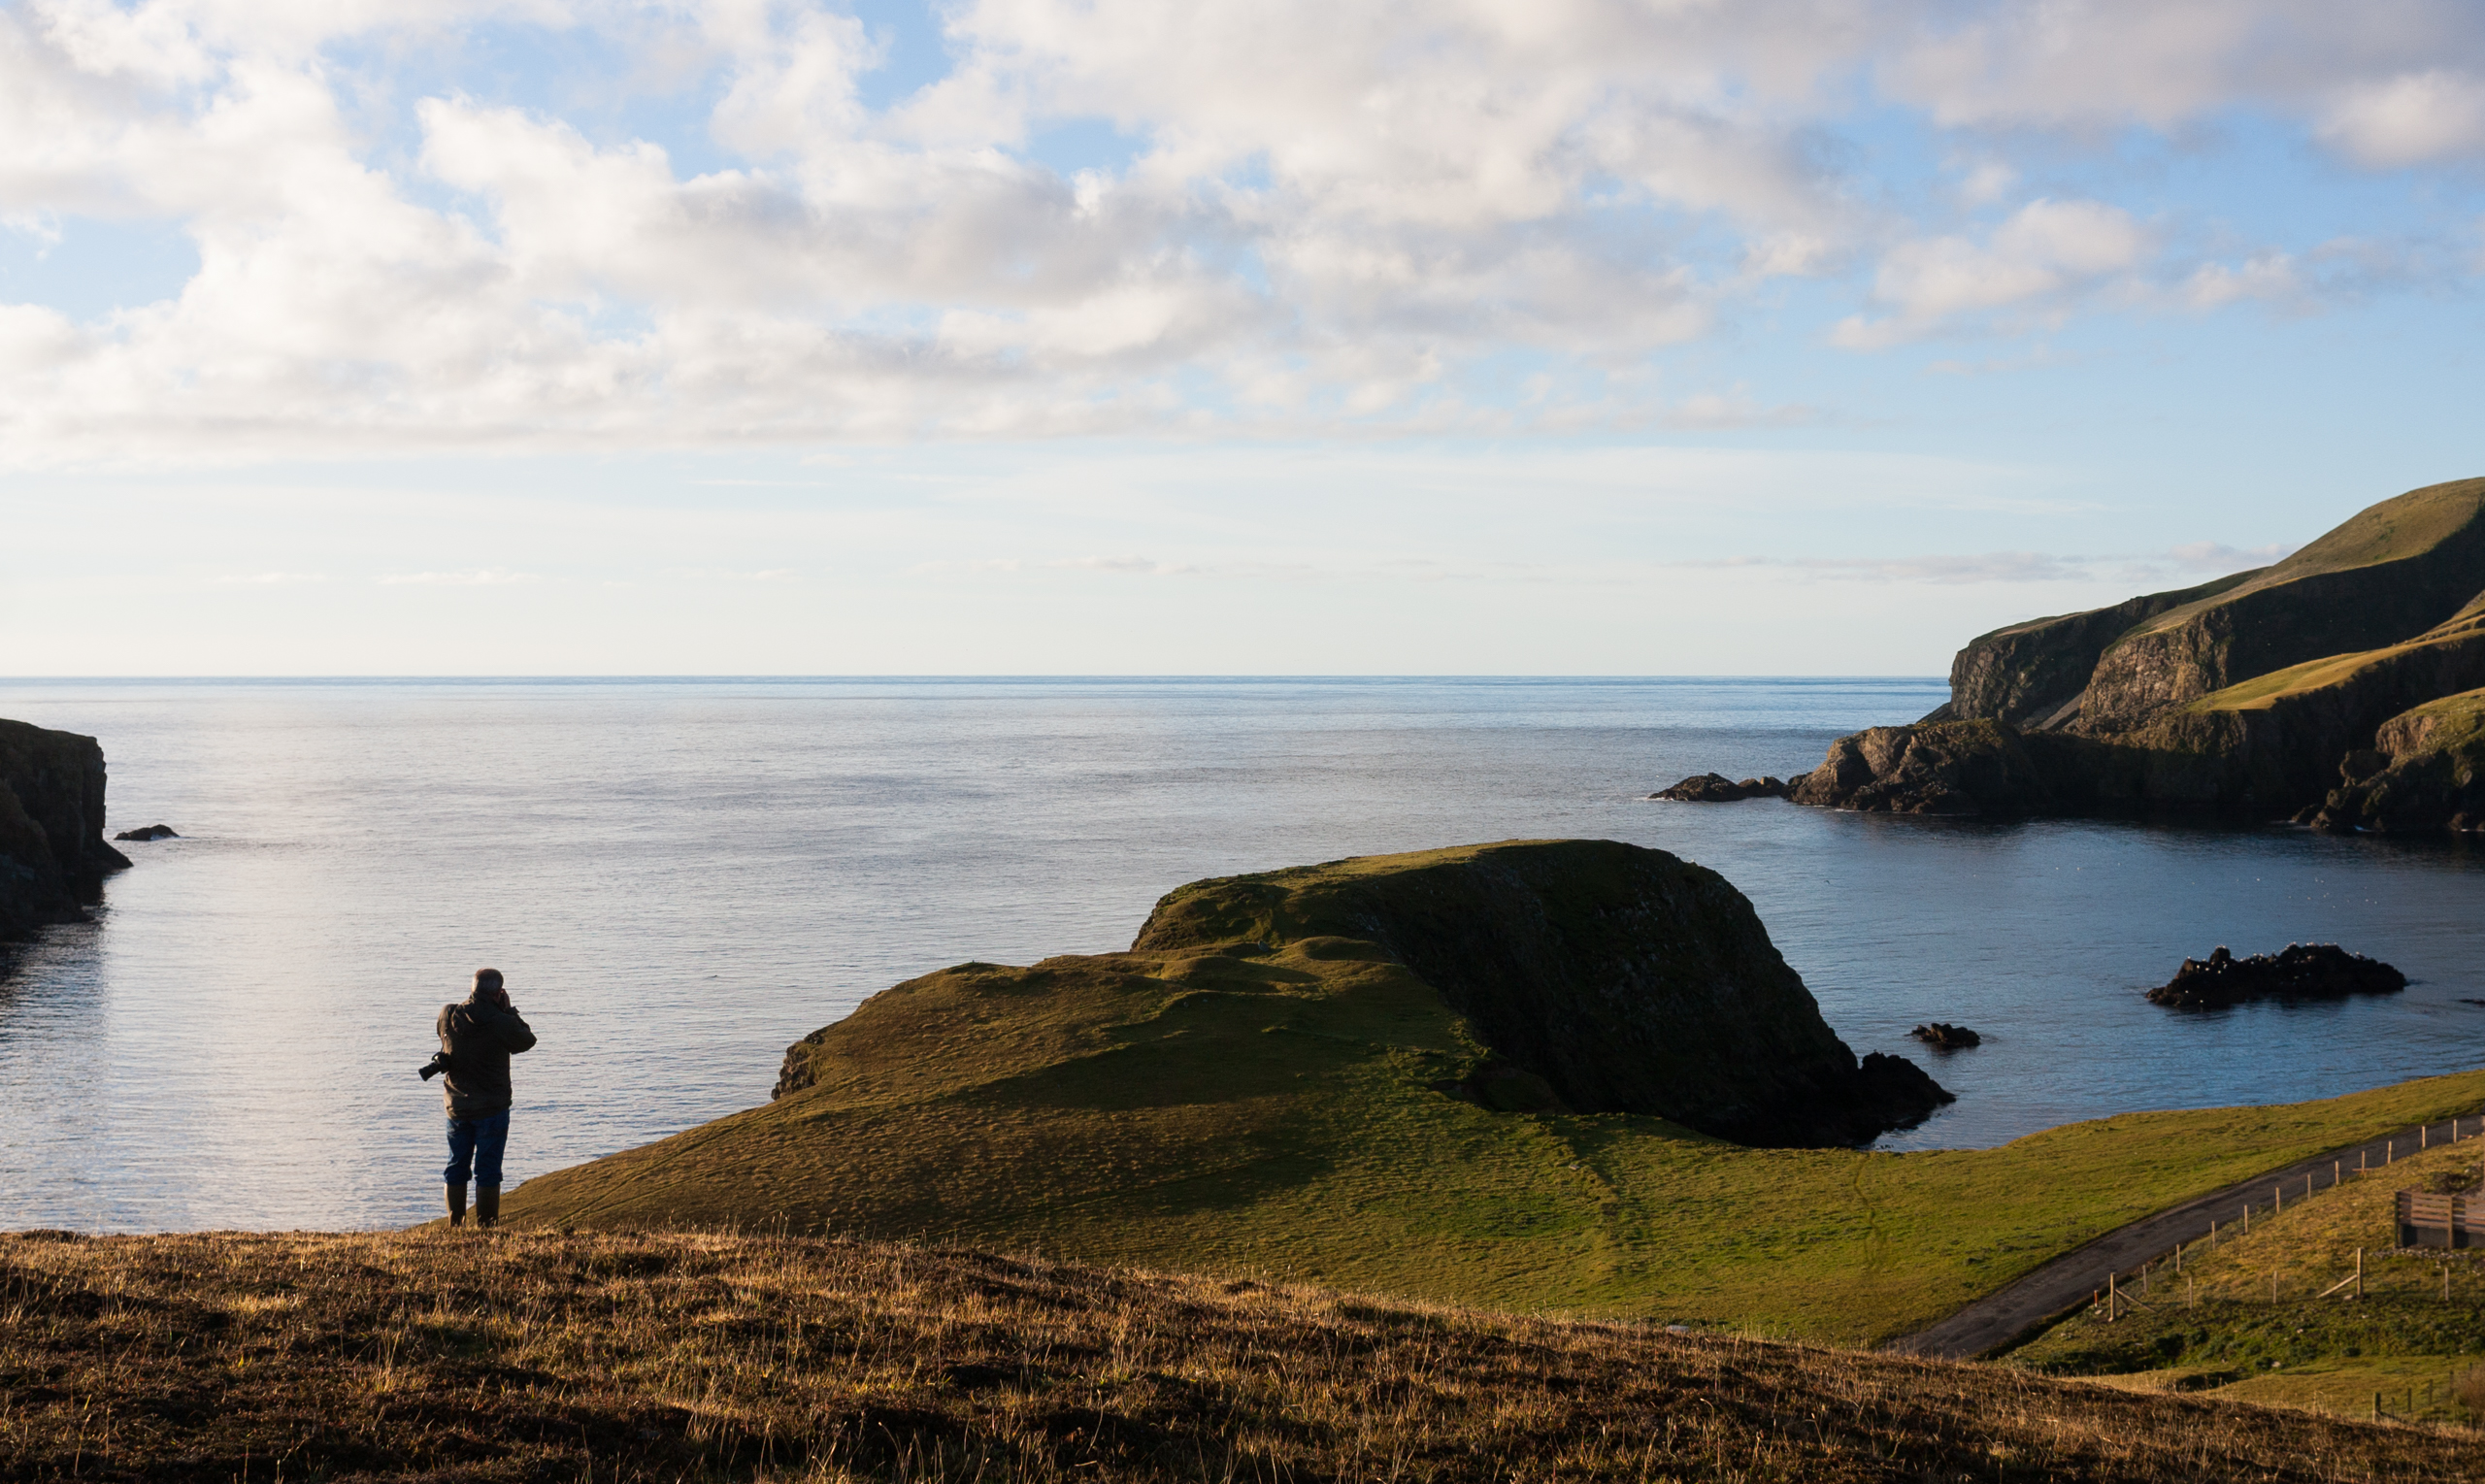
681, 879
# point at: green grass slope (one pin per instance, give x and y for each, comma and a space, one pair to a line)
1271, 1109
2383, 576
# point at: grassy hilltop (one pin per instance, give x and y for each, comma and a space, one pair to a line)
1267, 1097
486, 1358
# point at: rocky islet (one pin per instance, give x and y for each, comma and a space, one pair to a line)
2298, 971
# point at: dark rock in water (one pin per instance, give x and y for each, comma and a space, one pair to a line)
1718, 788
1628, 980
52, 855
2301, 972
151, 831
1947, 1036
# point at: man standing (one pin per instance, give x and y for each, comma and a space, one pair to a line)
479, 1034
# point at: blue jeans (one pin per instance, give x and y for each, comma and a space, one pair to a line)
475, 1144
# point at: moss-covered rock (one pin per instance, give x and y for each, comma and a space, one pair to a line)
1630, 980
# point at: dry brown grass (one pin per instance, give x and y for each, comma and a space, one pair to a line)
538, 1356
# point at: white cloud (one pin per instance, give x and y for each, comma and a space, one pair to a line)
1335, 215
2044, 255
2413, 118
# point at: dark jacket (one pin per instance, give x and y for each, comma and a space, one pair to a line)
479, 1037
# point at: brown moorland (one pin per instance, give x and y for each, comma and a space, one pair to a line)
512, 1355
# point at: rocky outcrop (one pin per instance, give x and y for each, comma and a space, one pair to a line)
2425, 772
52, 855
1627, 979
1718, 788
2298, 971
1936, 767
2241, 694
1945, 1036
150, 831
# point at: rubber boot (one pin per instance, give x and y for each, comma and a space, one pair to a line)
457, 1203
488, 1205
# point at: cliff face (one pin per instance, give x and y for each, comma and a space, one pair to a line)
1627, 979
2029, 672
2395, 569
2425, 770
52, 854
2244, 694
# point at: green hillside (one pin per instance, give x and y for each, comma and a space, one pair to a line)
1297, 1104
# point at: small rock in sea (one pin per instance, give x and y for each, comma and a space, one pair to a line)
1718, 788
2301, 972
2471, 1002
1947, 1036
151, 831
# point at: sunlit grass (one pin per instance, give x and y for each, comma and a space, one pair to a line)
536, 1356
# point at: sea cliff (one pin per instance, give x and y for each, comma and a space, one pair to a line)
2268, 692
52, 855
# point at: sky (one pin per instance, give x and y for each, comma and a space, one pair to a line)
566, 337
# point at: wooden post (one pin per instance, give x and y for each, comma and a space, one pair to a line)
2424, 1135
2359, 1272
2334, 1173
2377, 1406
2178, 1257
2247, 1218
2307, 1187
2191, 1293
2112, 1296
2273, 1285
2277, 1199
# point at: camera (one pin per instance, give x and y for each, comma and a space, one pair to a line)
438, 1064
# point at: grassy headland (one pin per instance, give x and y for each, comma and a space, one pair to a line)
1273, 1105
537, 1355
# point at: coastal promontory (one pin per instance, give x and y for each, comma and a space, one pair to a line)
52, 855
2335, 686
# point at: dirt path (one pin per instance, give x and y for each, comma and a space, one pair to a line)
2001, 1317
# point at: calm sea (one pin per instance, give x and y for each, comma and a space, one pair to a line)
680, 878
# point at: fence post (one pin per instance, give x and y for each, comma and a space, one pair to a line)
2359, 1272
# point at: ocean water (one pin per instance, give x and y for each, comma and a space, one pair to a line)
680, 878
